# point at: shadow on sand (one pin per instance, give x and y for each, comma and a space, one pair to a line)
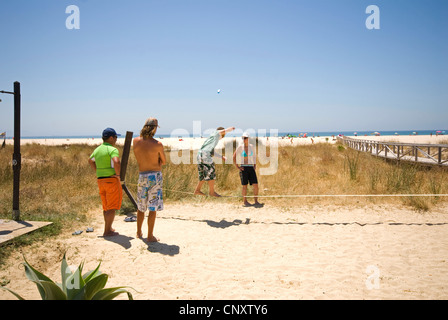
120, 239
162, 248
225, 224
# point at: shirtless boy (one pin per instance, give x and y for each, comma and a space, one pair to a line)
150, 158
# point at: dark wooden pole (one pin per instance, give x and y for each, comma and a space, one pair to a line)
17, 157
124, 166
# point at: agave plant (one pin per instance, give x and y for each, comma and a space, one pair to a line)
74, 285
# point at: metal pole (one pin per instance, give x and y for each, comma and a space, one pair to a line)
17, 157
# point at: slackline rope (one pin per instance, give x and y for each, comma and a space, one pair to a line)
318, 195
323, 195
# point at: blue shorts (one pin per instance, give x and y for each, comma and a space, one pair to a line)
149, 191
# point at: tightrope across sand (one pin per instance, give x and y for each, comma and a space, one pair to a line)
210, 249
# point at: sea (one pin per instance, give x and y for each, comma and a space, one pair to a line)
267, 133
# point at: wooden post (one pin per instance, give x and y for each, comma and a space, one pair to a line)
124, 166
125, 157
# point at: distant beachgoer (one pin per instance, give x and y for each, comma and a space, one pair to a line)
150, 158
245, 159
106, 162
206, 165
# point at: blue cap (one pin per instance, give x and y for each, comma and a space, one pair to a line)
109, 132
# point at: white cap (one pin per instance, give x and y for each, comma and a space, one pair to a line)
245, 135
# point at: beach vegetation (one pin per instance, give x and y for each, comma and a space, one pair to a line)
351, 161
74, 285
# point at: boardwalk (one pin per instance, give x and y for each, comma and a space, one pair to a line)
428, 154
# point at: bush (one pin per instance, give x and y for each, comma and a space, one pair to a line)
74, 285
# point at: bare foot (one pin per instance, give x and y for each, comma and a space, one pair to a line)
247, 204
199, 193
152, 239
110, 233
215, 195
139, 235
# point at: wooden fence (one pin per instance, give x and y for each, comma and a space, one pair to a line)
431, 154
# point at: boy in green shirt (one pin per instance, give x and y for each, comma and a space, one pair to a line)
106, 162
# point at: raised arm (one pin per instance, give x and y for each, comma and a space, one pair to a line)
227, 130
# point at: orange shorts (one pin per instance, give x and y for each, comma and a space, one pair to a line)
111, 193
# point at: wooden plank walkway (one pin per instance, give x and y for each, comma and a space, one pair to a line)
427, 154
9, 229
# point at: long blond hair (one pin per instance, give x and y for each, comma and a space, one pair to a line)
149, 129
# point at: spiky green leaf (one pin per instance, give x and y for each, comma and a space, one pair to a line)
92, 274
95, 285
65, 273
52, 291
36, 277
14, 293
111, 293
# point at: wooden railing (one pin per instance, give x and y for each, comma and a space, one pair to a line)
433, 154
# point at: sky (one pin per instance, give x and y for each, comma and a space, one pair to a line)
290, 65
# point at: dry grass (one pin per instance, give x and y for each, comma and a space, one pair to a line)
320, 169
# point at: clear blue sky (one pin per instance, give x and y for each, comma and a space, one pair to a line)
289, 65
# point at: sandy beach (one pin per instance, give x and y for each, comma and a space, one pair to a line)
423, 139
196, 143
214, 250
174, 143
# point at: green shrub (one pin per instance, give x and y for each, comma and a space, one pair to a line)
74, 285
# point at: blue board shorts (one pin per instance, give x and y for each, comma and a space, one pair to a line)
149, 191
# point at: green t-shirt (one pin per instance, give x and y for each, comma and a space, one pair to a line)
103, 159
